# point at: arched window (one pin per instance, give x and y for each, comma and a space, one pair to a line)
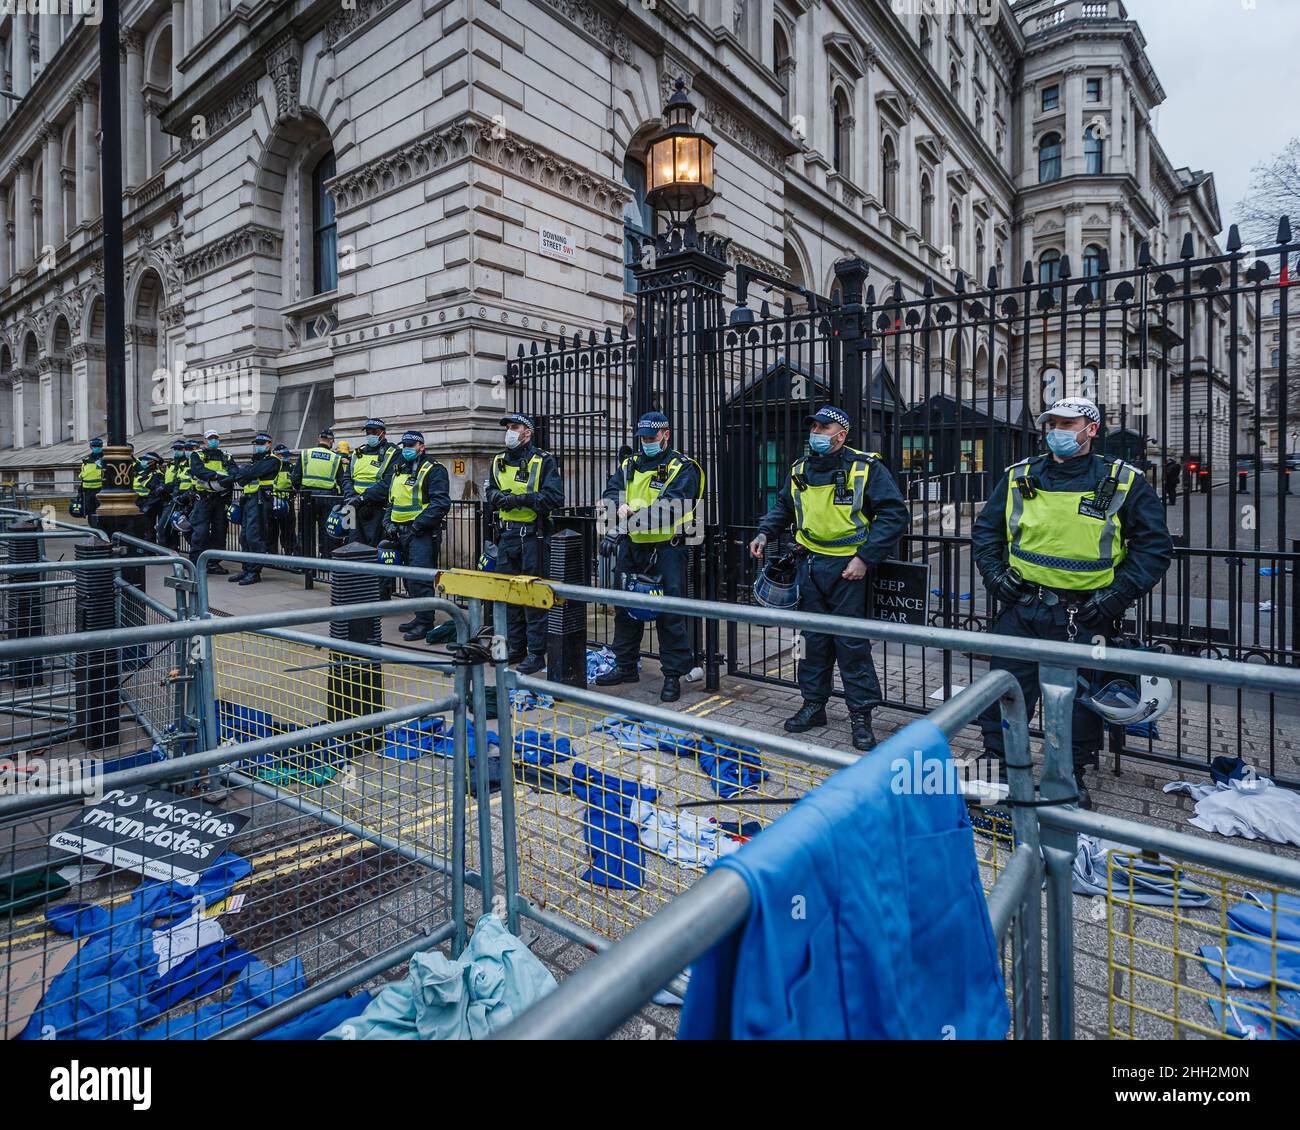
1049, 271
954, 82
1093, 151
954, 227
889, 176
926, 40
1049, 158
979, 115
781, 66
638, 220
998, 144
1092, 268
927, 209
980, 272
840, 139
325, 250
1277, 358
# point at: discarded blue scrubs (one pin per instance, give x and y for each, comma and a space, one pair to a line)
259, 986
541, 747
601, 661
522, 701
694, 841
731, 770
1253, 1019
1255, 916
867, 919
1238, 806
491, 983
412, 739
1250, 964
612, 837
1135, 879
628, 734
111, 987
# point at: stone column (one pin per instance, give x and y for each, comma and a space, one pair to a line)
6, 236
83, 144
49, 25
52, 188
1074, 237
1118, 251
1143, 158
22, 77
21, 173
870, 134
1115, 142
1073, 94
908, 174
1026, 226
133, 100
89, 156
1028, 157
178, 44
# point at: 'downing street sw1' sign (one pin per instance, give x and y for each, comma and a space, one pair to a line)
160, 835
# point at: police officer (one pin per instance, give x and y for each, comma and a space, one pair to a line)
847, 515
1067, 541
90, 479
523, 488
210, 469
367, 466
254, 483
317, 477
164, 535
418, 493
150, 492
656, 491
281, 528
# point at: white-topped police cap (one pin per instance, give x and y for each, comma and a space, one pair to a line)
375, 424
412, 437
280, 449
327, 433
651, 423
261, 437
212, 433
829, 414
518, 418
1071, 408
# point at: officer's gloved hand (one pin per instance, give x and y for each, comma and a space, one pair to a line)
1101, 611
609, 545
352, 500
1010, 587
390, 532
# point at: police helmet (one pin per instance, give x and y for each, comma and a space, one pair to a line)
1126, 700
340, 522
181, 523
75, 509
386, 553
650, 585
235, 511
279, 504
777, 585
487, 560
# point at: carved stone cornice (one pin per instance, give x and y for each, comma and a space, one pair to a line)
131, 40
217, 120
1075, 208
360, 12
173, 316
595, 24
85, 91
723, 119
477, 139
284, 66
251, 239
737, 254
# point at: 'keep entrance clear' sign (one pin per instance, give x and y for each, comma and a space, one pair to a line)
900, 592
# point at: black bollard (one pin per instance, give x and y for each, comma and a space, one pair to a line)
356, 686
24, 618
97, 673
566, 624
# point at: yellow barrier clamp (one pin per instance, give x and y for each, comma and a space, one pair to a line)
532, 592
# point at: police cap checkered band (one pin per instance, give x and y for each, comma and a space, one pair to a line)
327, 433
261, 437
178, 444
651, 423
827, 414
152, 456
97, 440
279, 449
1071, 408
412, 437
518, 418
211, 434
374, 425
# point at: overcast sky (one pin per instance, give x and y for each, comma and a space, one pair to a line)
1229, 69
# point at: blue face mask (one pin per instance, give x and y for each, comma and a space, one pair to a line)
213, 443
372, 441
1063, 442
410, 454
819, 443
259, 449
652, 448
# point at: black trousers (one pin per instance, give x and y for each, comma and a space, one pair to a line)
89, 504
370, 524
253, 531
280, 533
675, 654
522, 552
209, 522
420, 551
316, 508
1037, 621
822, 589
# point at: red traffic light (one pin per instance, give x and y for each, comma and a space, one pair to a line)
1192, 467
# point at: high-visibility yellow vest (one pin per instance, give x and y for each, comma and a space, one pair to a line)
644, 488
213, 462
169, 473
91, 475
260, 484
507, 479
320, 468
142, 484
831, 518
368, 466
405, 491
283, 482
184, 479
1066, 539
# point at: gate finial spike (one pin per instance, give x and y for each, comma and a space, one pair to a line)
870, 299
993, 278
1027, 275
1284, 230
1103, 261
534, 349
1188, 250
1144, 254
609, 335
1065, 267
898, 290
927, 290
521, 349
960, 285
1234, 239
624, 334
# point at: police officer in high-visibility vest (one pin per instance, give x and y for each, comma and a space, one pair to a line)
365, 469
210, 468
90, 479
150, 493
281, 537
1067, 541
253, 484
418, 490
523, 487
318, 477
164, 534
656, 491
847, 515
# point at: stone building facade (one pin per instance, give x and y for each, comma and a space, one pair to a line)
336, 210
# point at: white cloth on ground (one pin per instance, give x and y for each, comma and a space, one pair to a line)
681, 837
1255, 809
175, 945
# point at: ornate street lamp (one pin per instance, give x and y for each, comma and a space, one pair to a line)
679, 163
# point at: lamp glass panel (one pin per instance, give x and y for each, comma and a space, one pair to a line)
688, 160
661, 163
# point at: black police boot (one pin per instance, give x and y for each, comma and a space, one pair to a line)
532, 665
216, 570
416, 633
618, 675
1085, 797
810, 714
250, 578
233, 578
516, 657
864, 738
672, 690
408, 625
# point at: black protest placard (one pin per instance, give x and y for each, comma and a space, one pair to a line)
155, 833
900, 593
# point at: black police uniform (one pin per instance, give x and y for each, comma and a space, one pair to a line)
1148, 552
255, 510
208, 517
315, 504
370, 514
669, 559
89, 496
421, 538
520, 548
164, 534
821, 587
154, 499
